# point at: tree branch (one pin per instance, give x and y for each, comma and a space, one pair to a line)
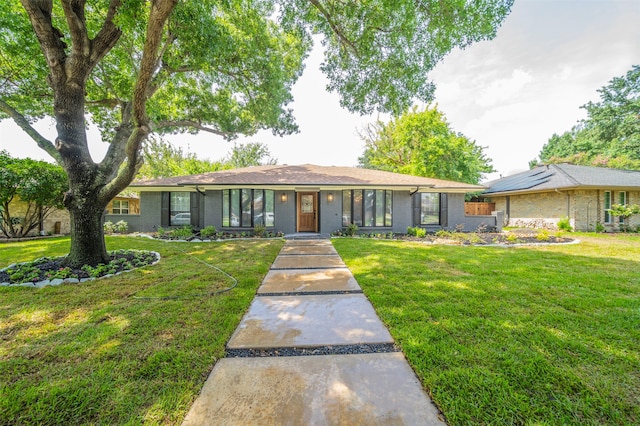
42, 142
108, 35
337, 31
74, 12
49, 37
190, 123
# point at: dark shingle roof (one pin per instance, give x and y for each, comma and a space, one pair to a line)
564, 176
305, 175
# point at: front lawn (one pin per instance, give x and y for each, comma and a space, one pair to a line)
527, 335
112, 351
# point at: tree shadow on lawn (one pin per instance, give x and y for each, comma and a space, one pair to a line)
90, 353
512, 335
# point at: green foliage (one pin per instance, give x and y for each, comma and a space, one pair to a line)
600, 228
109, 227
564, 224
351, 230
251, 154
416, 232
422, 143
208, 231
181, 233
624, 212
122, 227
259, 230
610, 136
38, 184
542, 235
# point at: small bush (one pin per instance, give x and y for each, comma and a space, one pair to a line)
182, 233
564, 224
109, 227
421, 232
543, 235
121, 226
208, 231
512, 238
443, 233
599, 227
351, 229
411, 231
259, 230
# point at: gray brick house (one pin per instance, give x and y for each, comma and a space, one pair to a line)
540, 197
304, 198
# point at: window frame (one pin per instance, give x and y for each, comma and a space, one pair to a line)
244, 198
433, 213
120, 209
173, 213
607, 205
362, 206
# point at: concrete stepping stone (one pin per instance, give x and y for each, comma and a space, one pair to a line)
291, 243
308, 280
321, 250
308, 262
370, 389
305, 321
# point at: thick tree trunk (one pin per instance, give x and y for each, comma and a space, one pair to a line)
87, 235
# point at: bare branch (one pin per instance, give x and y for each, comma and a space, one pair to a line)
42, 142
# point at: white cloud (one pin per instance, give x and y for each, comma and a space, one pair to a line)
505, 89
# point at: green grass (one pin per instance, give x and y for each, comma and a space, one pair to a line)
529, 335
92, 353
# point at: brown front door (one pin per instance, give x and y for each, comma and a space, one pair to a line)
307, 212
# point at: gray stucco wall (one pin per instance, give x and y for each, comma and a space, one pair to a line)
330, 212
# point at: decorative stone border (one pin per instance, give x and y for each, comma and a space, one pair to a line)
58, 281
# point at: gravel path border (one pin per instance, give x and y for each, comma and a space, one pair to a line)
362, 348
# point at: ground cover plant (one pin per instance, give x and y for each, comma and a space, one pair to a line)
130, 349
513, 335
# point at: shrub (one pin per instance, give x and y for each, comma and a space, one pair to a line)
421, 232
543, 235
512, 238
442, 233
599, 227
109, 227
259, 230
122, 227
564, 224
351, 229
411, 231
208, 231
182, 233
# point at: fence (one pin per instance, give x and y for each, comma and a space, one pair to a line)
479, 209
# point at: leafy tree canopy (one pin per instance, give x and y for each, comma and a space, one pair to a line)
161, 159
422, 143
610, 136
226, 67
29, 191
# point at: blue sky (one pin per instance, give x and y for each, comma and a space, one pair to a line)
509, 94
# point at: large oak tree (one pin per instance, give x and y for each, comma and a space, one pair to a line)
135, 67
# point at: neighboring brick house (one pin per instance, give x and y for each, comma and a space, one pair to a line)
540, 197
57, 221
305, 198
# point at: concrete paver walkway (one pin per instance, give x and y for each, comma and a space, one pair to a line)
329, 389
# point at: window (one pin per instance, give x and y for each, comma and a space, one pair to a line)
429, 208
246, 208
180, 209
622, 198
607, 206
120, 207
367, 208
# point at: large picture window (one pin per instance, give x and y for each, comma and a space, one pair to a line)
246, 208
367, 208
429, 208
180, 209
